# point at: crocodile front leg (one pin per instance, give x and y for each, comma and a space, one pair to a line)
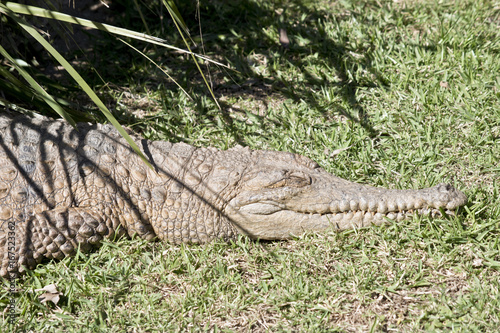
53, 234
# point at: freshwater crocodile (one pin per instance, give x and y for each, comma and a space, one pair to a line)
62, 189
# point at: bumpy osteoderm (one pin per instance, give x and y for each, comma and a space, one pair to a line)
62, 189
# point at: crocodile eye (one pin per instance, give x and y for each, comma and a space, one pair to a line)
292, 179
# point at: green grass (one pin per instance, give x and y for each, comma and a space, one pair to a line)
400, 94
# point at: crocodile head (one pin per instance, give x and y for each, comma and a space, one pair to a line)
285, 194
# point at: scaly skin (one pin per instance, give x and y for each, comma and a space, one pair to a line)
61, 189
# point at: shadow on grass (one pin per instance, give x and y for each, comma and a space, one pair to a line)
251, 28
233, 32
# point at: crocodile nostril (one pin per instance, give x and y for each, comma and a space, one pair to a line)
444, 188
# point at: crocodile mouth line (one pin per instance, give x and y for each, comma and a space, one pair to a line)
396, 215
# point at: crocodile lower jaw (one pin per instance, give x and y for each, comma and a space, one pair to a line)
284, 223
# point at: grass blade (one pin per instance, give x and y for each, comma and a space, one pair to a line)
49, 14
154, 63
192, 54
40, 92
76, 76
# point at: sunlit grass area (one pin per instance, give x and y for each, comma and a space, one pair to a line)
397, 94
